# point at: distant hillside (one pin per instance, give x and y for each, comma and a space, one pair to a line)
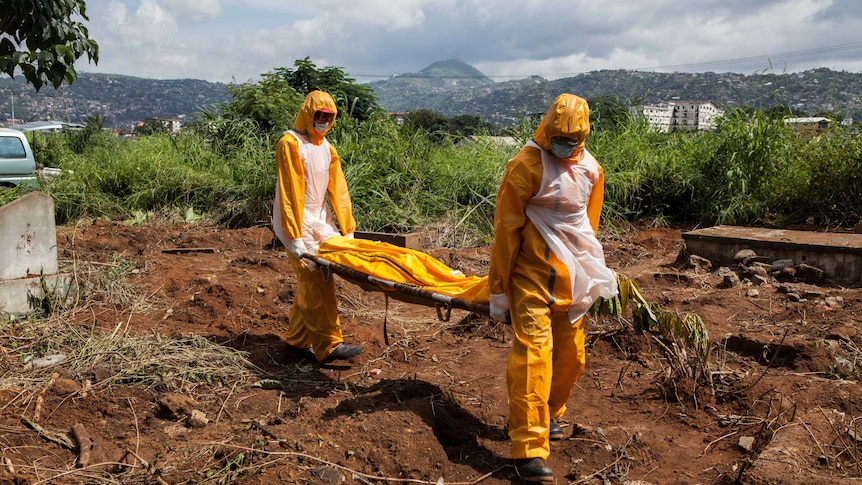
451, 87
442, 84
121, 100
815, 91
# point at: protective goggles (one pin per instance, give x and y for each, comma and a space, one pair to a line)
565, 141
323, 116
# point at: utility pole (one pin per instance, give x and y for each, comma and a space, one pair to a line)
12, 95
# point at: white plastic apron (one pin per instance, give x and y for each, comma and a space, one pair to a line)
317, 222
559, 212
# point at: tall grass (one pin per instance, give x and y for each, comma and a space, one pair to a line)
116, 178
402, 179
750, 170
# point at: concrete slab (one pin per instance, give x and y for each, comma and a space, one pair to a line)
25, 294
28, 252
839, 255
28, 239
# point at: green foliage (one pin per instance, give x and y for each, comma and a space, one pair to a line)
151, 127
79, 140
832, 178
607, 113
401, 180
430, 123
752, 169
49, 149
469, 125
750, 160
52, 40
252, 120
271, 104
118, 177
353, 100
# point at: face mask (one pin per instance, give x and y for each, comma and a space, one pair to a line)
322, 119
562, 148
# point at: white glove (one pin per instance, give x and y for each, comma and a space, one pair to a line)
349, 236
499, 308
297, 248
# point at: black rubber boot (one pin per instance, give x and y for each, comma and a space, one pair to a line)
534, 470
556, 431
306, 353
344, 352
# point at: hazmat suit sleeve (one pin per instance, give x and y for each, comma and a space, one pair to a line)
339, 197
520, 183
291, 185
597, 198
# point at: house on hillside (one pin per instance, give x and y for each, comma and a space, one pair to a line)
680, 115
810, 125
173, 125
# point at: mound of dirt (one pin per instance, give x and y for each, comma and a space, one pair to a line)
776, 401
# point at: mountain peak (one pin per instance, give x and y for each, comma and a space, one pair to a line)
453, 68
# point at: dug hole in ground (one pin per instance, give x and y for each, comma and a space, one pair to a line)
170, 368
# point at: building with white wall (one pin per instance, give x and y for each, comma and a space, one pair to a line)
681, 115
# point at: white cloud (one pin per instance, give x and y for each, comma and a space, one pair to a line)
195, 10
385, 15
149, 21
220, 40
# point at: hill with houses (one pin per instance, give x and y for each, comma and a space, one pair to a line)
451, 87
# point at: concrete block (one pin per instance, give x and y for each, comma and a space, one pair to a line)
839, 255
28, 253
28, 240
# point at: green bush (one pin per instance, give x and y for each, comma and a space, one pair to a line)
751, 170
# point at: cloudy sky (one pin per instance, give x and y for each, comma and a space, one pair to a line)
237, 40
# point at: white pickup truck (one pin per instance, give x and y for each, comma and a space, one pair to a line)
17, 164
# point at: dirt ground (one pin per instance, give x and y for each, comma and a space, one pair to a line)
776, 402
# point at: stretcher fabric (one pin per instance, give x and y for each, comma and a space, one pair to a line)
406, 266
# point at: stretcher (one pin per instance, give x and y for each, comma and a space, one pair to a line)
415, 277
403, 274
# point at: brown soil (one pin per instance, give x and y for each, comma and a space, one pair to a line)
777, 401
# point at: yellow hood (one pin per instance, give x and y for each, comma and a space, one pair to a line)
568, 116
304, 122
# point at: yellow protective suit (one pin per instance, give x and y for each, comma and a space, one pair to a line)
309, 172
548, 268
404, 266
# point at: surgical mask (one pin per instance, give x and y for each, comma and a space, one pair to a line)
563, 147
322, 120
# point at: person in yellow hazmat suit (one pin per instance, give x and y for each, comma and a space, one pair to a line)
547, 268
309, 172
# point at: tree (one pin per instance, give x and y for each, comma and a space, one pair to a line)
354, 100
607, 113
257, 113
151, 126
469, 125
271, 104
43, 41
435, 125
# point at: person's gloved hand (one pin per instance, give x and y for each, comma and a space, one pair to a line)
297, 248
349, 236
499, 308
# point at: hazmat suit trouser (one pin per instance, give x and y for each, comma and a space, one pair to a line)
314, 318
546, 360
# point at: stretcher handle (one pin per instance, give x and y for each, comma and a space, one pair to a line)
449, 301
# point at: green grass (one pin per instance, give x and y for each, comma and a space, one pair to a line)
750, 170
